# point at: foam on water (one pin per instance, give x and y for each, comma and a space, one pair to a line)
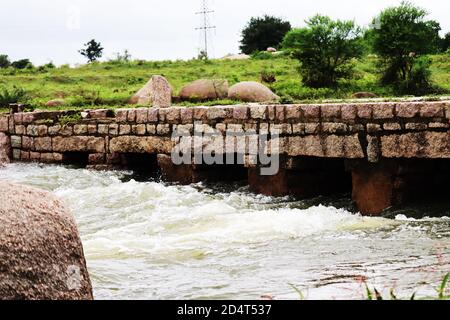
132, 229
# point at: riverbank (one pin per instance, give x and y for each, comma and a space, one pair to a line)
111, 84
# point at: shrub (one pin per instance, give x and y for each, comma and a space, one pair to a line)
401, 36
445, 43
262, 55
22, 64
13, 95
267, 76
262, 33
325, 49
418, 83
4, 61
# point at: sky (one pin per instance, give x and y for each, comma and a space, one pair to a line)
54, 30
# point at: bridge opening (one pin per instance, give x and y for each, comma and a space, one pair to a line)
391, 183
143, 165
194, 173
303, 177
77, 159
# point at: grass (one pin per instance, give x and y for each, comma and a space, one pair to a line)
441, 292
111, 84
374, 294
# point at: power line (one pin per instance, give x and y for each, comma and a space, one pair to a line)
206, 24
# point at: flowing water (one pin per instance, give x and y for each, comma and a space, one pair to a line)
150, 240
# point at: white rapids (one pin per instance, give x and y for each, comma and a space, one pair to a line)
150, 240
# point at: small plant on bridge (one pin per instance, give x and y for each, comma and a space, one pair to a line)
69, 119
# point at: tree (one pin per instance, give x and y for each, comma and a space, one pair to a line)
445, 42
4, 61
401, 36
262, 33
325, 49
22, 64
93, 50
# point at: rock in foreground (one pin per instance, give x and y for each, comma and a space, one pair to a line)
41, 255
5, 149
251, 92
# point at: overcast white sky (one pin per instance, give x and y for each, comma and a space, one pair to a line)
54, 30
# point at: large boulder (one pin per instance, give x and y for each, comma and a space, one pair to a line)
55, 103
364, 95
157, 93
5, 149
251, 92
41, 255
236, 57
205, 89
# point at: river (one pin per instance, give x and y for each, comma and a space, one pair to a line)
150, 240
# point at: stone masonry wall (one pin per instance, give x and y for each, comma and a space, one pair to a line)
370, 131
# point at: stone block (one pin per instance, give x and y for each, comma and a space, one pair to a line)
133, 144
103, 129
16, 142
200, 113
293, 112
311, 112
43, 144
121, 115
124, 129
78, 144
173, 115
364, 111
27, 143
4, 123
54, 130
21, 130
392, 126
331, 146
141, 115
241, 112
383, 111
348, 112
432, 110
408, 110
113, 129
186, 115
416, 126
258, 112
373, 128
153, 115
80, 129
163, 129
333, 128
432, 145
330, 112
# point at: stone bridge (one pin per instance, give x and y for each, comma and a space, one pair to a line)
385, 153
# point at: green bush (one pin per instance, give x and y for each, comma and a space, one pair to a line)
325, 49
4, 61
401, 36
22, 64
262, 55
418, 83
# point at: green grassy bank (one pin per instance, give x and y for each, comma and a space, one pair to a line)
113, 83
